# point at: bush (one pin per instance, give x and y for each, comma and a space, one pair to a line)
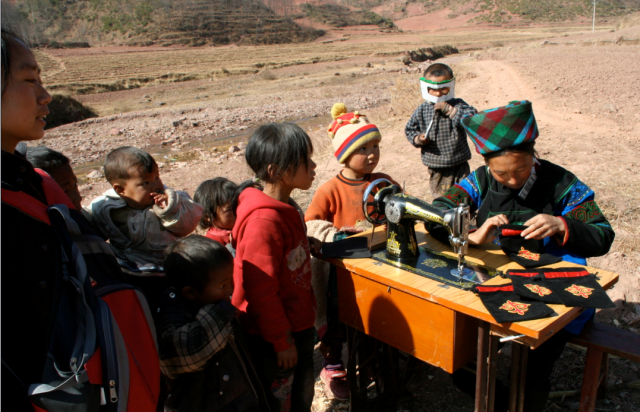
65, 109
268, 75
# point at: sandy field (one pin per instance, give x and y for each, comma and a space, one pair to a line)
585, 99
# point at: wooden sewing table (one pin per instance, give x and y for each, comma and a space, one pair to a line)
444, 326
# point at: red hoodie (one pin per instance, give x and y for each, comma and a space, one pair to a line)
272, 272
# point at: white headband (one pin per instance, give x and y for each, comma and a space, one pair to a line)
425, 85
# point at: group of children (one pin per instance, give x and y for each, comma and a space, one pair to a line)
235, 308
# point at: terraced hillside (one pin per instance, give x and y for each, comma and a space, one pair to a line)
499, 11
162, 22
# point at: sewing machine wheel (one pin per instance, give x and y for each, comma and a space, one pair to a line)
373, 200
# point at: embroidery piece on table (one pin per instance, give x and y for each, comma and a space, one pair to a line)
518, 308
523, 253
538, 290
434, 263
580, 291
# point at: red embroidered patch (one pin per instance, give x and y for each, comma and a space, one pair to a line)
515, 307
539, 290
579, 291
528, 255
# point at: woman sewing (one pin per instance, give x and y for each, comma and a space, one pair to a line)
516, 187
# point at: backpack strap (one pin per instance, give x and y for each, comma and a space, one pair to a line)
32, 206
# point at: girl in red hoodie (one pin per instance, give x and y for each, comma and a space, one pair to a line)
272, 270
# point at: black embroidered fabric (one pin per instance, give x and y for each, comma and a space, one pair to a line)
528, 253
530, 284
505, 306
577, 288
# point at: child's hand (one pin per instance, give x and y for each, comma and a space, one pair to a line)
420, 139
160, 199
288, 358
444, 107
315, 245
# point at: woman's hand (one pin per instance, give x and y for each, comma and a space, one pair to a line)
288, 358
542, 226
486, 232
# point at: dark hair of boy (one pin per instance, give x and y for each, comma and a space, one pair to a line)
119, 162
7, 38
189, 261
46, 159
212, 194
437, 70
281, 145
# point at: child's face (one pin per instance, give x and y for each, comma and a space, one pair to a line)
439, 92
224, 218
67, 180
303, 177
364, 160
219, 288
138, 190
24, 101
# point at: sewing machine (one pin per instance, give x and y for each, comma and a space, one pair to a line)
386, 202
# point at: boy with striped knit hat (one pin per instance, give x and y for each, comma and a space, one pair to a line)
335, 213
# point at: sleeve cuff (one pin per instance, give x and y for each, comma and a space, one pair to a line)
172, 203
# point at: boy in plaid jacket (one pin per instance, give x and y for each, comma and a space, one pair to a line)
435, 128
202, 355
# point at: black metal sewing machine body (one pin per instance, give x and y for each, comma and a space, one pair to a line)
385, 202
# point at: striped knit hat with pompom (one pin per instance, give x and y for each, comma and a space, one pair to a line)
350, 131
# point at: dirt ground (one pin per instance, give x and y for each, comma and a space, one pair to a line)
586, 104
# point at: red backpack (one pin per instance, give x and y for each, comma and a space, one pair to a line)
103, 352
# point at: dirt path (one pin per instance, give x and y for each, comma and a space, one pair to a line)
570, 139
600, 146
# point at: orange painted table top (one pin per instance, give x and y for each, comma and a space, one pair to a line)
535, 331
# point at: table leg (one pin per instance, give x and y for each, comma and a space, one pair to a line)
493, 369
524, 355
516, 351
590, 379
481, 367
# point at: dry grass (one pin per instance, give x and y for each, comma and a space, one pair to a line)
628, 21
95, 70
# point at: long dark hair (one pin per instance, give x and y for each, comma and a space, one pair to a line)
8, 37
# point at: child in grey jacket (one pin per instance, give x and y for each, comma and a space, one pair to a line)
139, 216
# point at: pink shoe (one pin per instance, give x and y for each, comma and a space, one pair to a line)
335, 382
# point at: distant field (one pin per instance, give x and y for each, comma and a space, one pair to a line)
88, 71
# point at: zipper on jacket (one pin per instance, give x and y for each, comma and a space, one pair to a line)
112, 391
109, 349
79, 344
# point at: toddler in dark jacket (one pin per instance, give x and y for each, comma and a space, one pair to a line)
201, 352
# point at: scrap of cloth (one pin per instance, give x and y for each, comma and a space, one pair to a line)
505, 306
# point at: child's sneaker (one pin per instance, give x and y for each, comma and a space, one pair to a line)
335, 382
